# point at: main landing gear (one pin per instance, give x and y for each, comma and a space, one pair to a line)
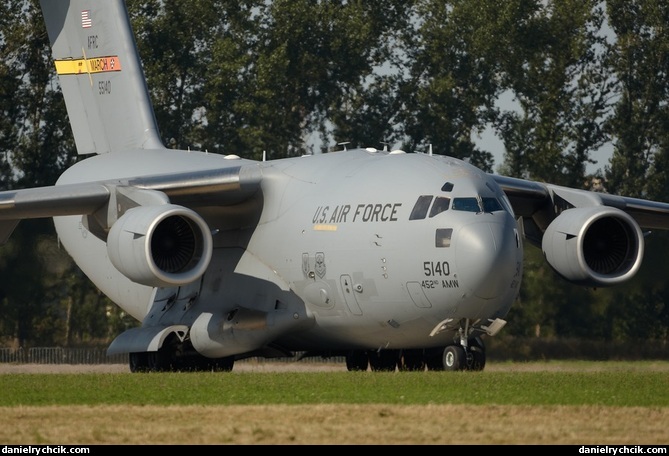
157, 362
454, 357
174, 356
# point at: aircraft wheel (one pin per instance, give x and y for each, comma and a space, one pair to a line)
357, 360
454, 358
477, 351
411, 360
159, 361
138, 362
384, 360
434, 359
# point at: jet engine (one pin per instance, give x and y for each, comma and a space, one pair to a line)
160, 246
594, 246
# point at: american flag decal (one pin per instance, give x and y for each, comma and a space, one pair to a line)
86, 21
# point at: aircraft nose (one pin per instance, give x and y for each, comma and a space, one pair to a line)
486, 254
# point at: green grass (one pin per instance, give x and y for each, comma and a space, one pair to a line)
609, 387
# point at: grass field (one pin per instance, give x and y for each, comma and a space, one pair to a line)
508, 403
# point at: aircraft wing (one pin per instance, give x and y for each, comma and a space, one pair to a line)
39, 202
539, 203
216, 187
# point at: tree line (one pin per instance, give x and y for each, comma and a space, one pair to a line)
293, 77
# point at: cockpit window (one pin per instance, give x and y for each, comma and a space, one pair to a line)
440, 205
487, 204
466, 204
419, 210
492, 205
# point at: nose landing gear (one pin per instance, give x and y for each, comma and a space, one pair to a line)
471, 357
455, 357
458, 357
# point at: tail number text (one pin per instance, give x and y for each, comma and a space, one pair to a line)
104, 87
436, 268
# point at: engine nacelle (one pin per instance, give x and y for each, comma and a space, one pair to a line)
594, 246
160, 246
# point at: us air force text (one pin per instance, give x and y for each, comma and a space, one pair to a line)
362, 213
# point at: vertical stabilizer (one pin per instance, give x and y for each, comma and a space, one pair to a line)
100, 75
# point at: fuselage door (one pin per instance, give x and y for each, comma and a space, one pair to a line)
349, 295
417, 295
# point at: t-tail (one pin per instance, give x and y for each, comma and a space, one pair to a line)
100, 75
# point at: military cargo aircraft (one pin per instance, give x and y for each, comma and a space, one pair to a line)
392, 260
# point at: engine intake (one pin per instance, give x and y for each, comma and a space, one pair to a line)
594, 246
159, 246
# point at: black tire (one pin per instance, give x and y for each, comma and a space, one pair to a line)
138, 362
357, 360
158, 361
477, 351
434, 359
384, 360
411, 361
454, 358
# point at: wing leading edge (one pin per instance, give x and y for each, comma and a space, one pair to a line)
107, 200
539, 204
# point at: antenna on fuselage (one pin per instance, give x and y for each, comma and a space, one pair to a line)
385, 146
344, 144
264, 155
430, 150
